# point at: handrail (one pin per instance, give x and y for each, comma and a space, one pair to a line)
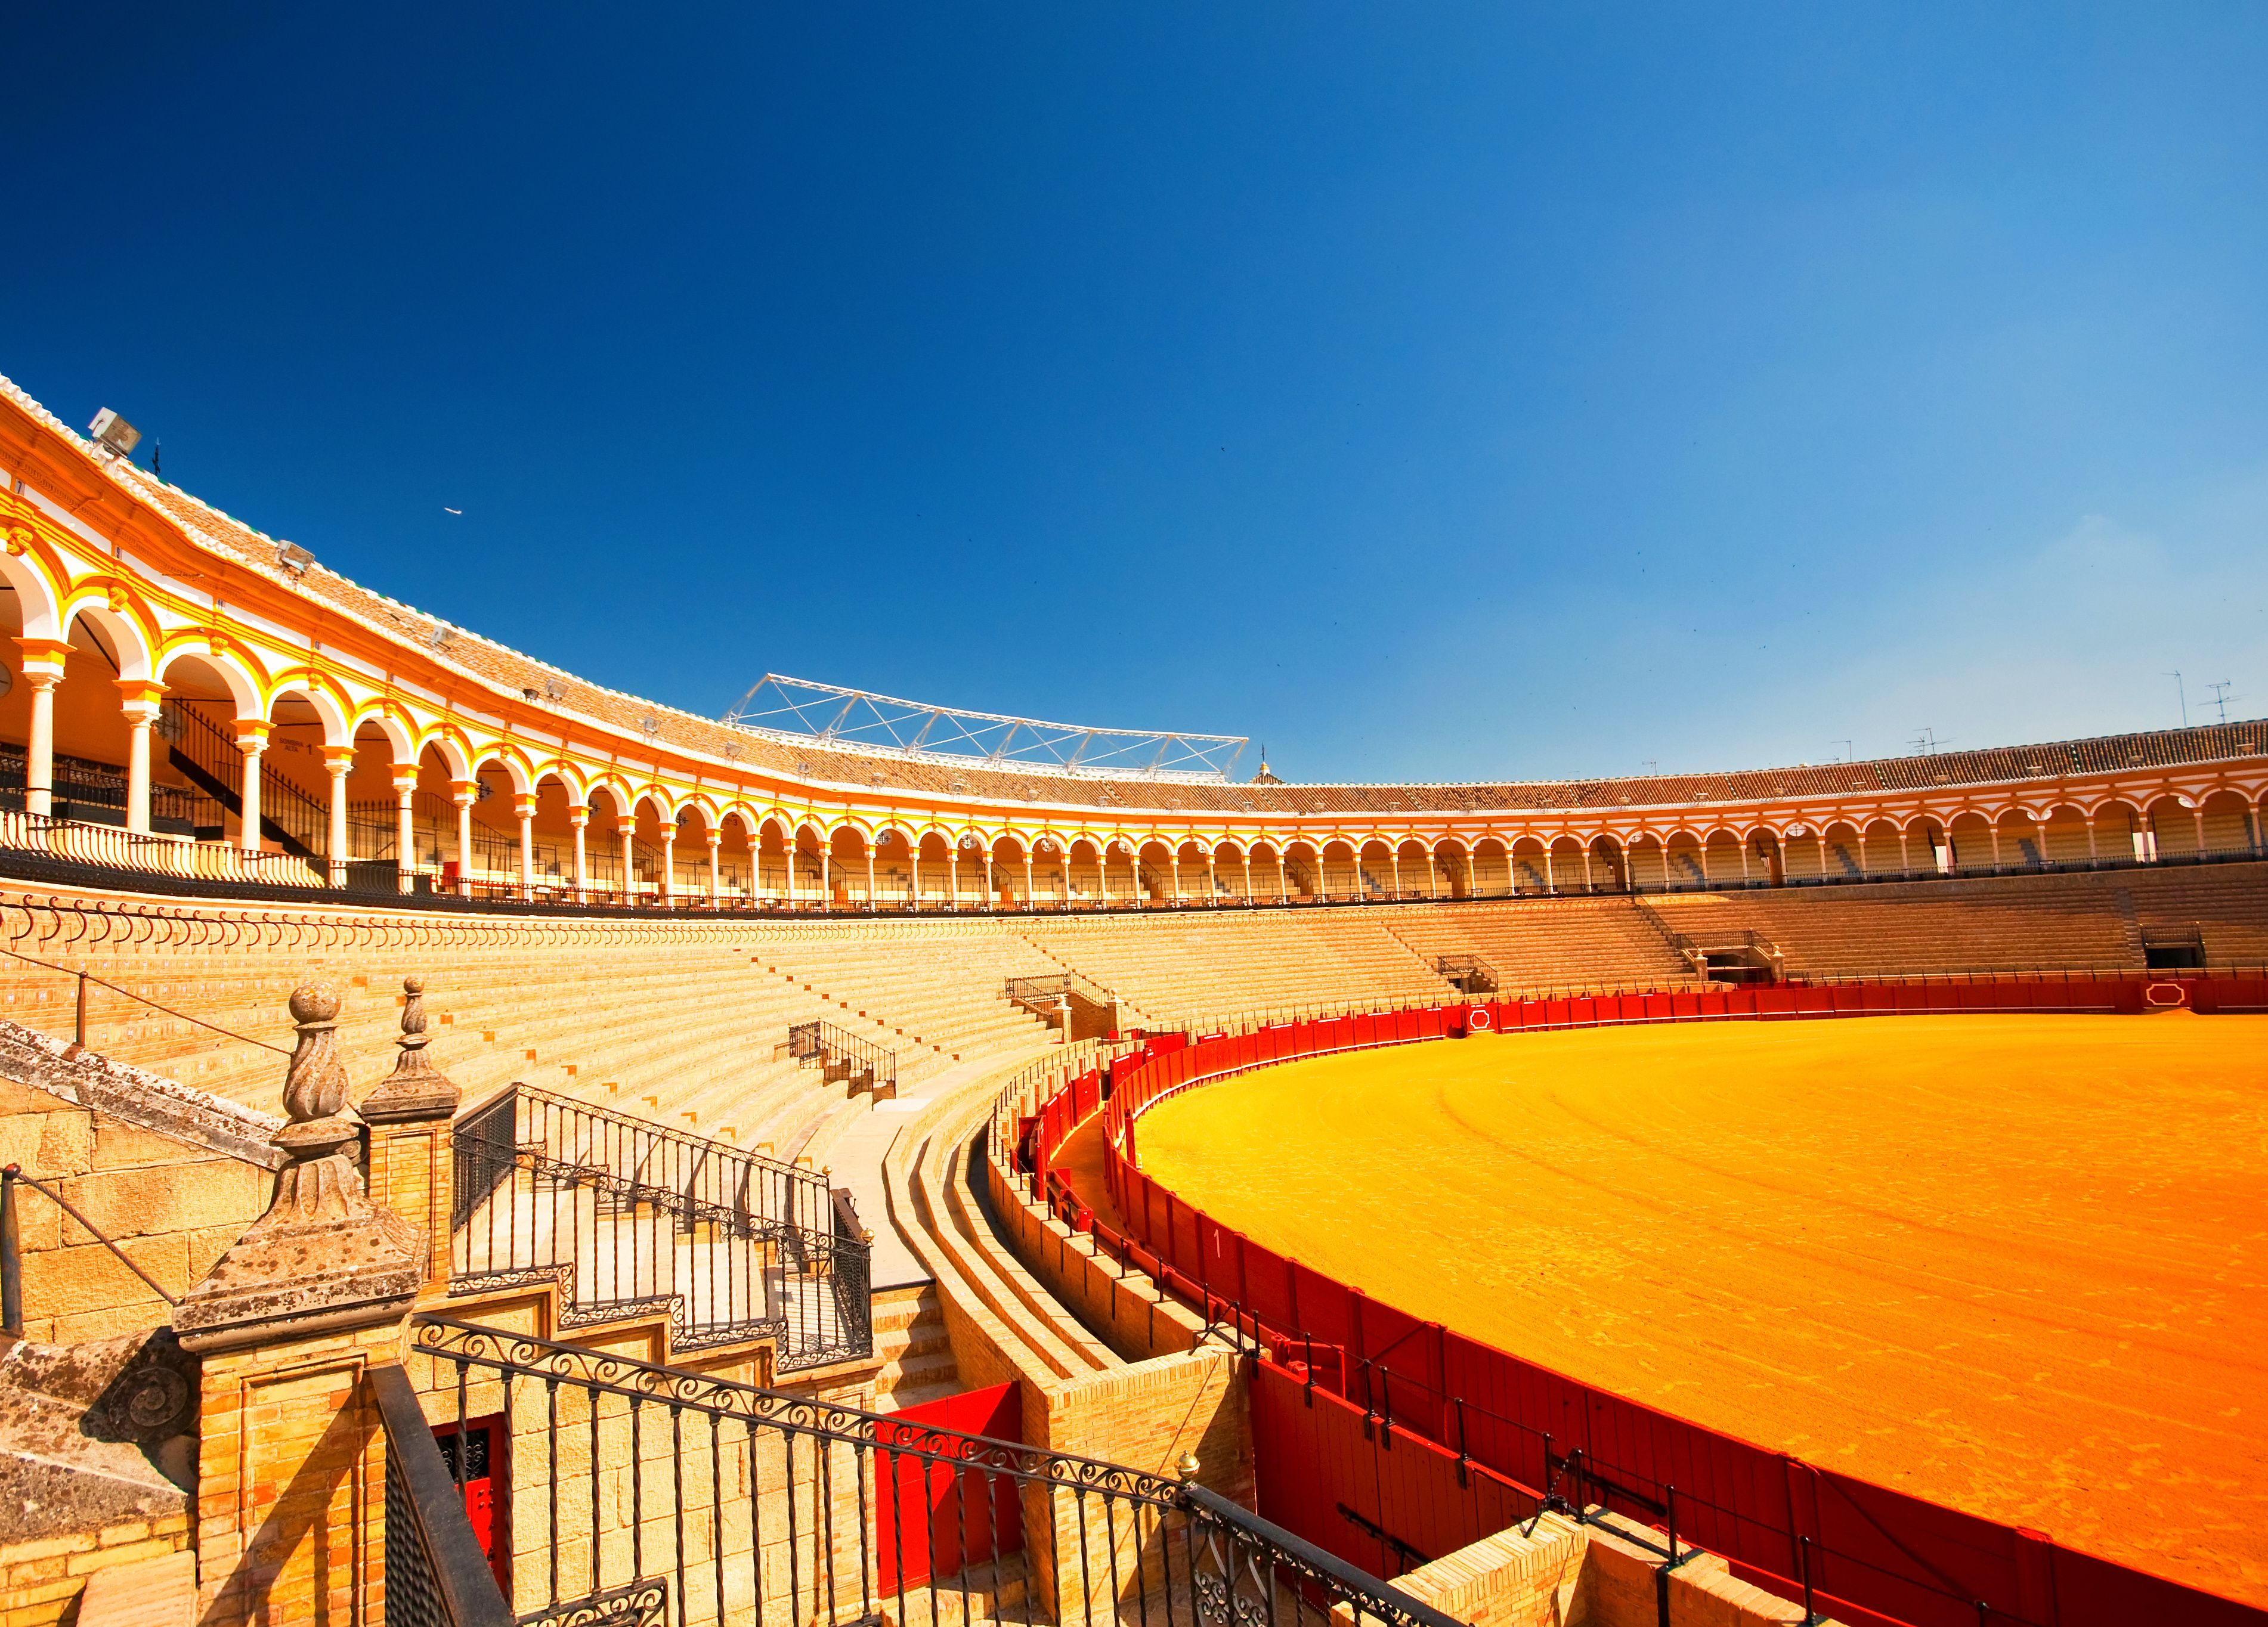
435, 1537
85, 978
11, 1268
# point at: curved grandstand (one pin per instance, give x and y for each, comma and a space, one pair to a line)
731, 1100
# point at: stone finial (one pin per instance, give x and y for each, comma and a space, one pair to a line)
415, 1089
323, 1257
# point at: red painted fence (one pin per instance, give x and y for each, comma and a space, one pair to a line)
1876, 1555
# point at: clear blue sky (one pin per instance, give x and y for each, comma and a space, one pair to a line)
1428, 392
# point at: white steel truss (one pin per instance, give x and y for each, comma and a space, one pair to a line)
801, 712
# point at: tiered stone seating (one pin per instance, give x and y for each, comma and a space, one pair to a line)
2006, 924
1548, 944
1194, 967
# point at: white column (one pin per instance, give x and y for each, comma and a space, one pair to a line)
525, 807
953, 876
1550, 881
716, 839
1212, 883
669, 859
580, 818
1432, 876
1589, 885
1247, 875
41, 675
1744, 853
625, 827
915, 849
1905, 864
1996, 844
405, 825
827, 874
1175, 861
251, 740
1394, 858
870, 877
1028, 878
2198, 809
141, 706
2091, 855
463, 794
338, 762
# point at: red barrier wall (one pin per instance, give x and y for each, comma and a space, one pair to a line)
1877, 1554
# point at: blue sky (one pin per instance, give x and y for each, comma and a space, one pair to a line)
1428, 392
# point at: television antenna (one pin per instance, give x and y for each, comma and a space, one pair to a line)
1848, 753
2184, 694
1927, 743
2222, 697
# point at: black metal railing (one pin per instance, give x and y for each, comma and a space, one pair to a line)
206, 752
12, 1245
747, 1504
93, 793
436, 1574
1469, 974
845, 1057
628, 1217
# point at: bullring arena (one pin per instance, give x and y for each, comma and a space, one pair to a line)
484, 1148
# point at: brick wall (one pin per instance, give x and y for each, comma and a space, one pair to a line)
172, 1207
40, 1581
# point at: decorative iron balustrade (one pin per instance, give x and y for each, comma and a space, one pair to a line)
629, 1217
845, 1057
1469, 974
750, 1505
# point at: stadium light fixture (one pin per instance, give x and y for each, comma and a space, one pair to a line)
109, 429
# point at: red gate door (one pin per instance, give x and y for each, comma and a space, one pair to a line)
930, 1519
485, 1444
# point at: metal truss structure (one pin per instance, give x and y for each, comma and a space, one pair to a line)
801, 712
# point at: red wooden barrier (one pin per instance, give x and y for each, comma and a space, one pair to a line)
930, 1518
1879, 1555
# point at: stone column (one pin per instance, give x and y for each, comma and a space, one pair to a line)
625, 827
2196, 809
715, 840
669, 861
1550, 882
870, 878
915, 850
579, 817
953, 876
43, 669
463, 794
251, 740
2092, 857
411, 1143
1028, 900
1996, 844
292, 1317
827, 875
338, 762
405, 832
525, 807
1591, 886
140, 703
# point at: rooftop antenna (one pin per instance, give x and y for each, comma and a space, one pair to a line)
1927, 743
1848, 750
2177, 676
2222, 697
1650, 764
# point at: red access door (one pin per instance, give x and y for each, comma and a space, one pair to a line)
932, 1519
485, 1445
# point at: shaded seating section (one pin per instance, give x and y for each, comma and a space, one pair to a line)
1195, 968
2052, 922
1542, 943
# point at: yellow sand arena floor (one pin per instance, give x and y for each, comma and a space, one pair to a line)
2014, 1263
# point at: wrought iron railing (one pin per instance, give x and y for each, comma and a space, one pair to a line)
628, 1217
747, 1504
436, 1574
1469, 973
845, 1057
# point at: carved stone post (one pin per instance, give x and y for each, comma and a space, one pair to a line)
291, 1471
412, 1147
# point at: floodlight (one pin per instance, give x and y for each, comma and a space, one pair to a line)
114, 432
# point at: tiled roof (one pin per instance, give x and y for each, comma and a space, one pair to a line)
485, 659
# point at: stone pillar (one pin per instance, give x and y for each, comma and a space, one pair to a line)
140, 703
43, 669
463, 794
1028, 901
953, 876
625, 827
579, 817
870, 878
2092, 857
668, 860
715, 840
525, 807
405, 832
1550, 882
915, 849
2196, 809
292, 1318
1996, 844
251, 740
338, 762
827, 875
1591, 886
411, 1143
1063, 1017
